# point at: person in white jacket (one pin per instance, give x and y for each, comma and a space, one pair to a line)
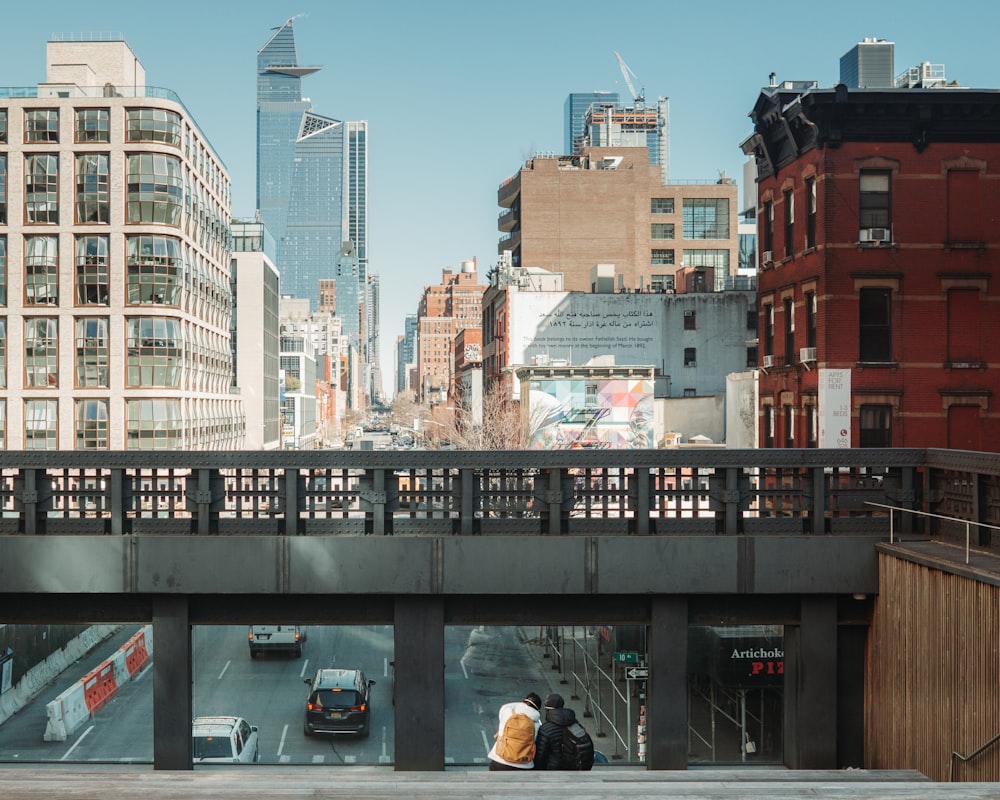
529, 706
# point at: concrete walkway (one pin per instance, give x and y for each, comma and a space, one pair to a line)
373, 783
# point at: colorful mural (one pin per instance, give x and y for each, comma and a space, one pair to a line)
593, 413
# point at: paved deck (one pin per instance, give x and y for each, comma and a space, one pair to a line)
373, 783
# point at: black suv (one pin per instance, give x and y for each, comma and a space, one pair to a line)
339, 702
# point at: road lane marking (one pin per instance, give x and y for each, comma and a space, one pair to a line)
305, 666
486, 742
82, 737
318, 759
224, 670
281, 744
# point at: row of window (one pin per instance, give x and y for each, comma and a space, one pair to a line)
157, 272
158, 354
703, 218
41, 125
151, 424
800, 428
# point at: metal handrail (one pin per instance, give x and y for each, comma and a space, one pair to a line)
972, 755
967, 523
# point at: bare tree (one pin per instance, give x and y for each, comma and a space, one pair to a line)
501, 426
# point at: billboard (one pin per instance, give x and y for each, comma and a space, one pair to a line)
835, 408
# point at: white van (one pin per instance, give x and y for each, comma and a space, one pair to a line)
278, 638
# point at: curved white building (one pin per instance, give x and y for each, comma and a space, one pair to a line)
115, 280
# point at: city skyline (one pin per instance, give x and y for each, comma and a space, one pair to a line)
458, 96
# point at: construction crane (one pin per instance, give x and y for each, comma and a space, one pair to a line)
637, 97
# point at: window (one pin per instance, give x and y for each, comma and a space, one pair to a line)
965, 206
661, 283
92, 125
751, 357
690, 321
875, 202
155, 270
752, 319
41, 270
662, 257
3, 270
690, 392
875, 422
810, 212
590, 395
3, 188
3, 424
41, 421
965, 334
3, 126
718, 259
41, 352
812, 426
789, 308
661, 230
706, 217
154, 189
92, 351
768, 329
789, 197
690, 357
875, 334
767, 223
153, 125
92, 188
155, 350
661, 205
768, 424
41, 125
3, 352
41, 188
788, 412
92, 270
810, 319
91, 424
154, 424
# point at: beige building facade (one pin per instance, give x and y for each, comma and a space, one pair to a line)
608, 205
116, 304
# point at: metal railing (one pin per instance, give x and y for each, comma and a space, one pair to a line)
969, 524
955, 756
628, 492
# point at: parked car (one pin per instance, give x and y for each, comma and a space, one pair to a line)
224, 740
276, 638
339, 701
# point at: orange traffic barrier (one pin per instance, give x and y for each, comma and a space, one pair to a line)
136, 655
99, 686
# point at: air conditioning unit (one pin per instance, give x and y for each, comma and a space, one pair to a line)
767, 257
875, 235
768, 362
807, 354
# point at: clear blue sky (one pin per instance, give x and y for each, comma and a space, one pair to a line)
458, 93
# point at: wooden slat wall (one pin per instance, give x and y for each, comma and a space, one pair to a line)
933, 673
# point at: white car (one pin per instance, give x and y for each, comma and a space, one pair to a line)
224, 740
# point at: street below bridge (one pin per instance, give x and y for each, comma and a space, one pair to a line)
484, 668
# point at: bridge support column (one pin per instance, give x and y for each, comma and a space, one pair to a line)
811, 686
418, 630
172, 683
666, 689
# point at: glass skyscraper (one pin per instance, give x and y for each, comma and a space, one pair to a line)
312, 179
575, 116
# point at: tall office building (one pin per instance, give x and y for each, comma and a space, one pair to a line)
115, 297
868, 65
312, 177
575, 116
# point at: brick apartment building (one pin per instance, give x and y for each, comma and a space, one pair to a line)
445, 309
609, 205
878, 231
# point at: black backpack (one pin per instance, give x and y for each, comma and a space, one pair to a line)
577, 748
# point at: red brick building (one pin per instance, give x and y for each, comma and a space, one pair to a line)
879, 233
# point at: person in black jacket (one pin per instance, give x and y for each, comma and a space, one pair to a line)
548, 742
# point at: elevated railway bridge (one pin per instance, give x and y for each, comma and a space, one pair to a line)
659, 540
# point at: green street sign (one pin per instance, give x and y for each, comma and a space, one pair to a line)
627, 658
